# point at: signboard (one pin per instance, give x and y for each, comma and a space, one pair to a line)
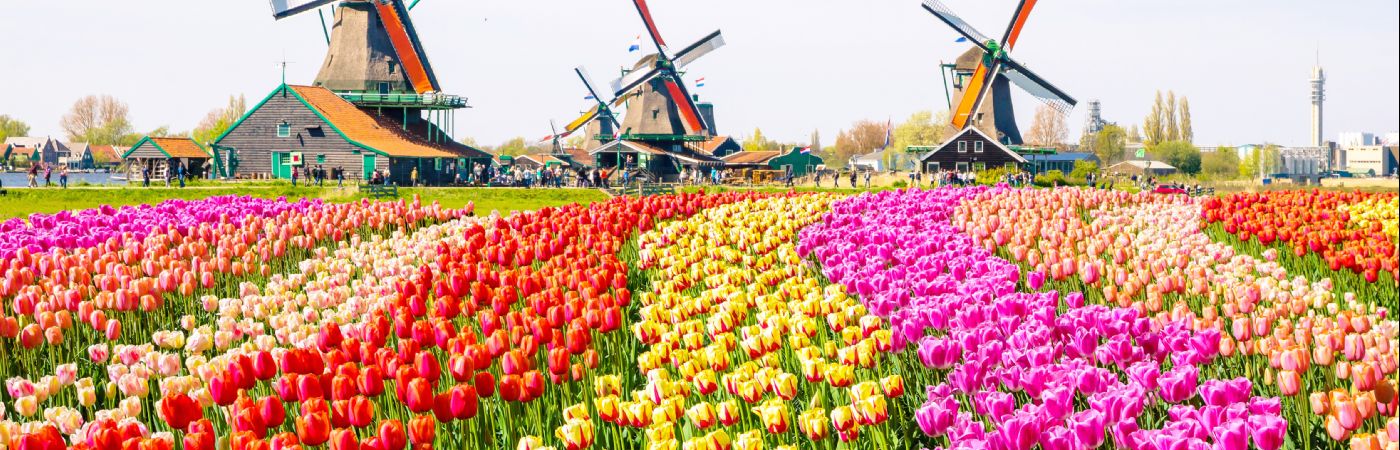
1142, 153
295, 159
282, 9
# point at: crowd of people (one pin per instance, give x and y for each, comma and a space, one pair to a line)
46, 171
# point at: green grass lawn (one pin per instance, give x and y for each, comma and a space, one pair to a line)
23, 202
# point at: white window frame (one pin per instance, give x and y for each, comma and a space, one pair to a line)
962, 146
284, 129
977, 147
961, 167
933, 167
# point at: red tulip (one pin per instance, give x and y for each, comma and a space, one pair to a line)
534, 385
485, 384
442, 407
510, 388
419, 396
196, 441
422, 429
391, 435
460, 367
272, 411
309, 387
342, 387
314, 429
179, 410
371, 381
464, 403
343, 439
558, 361
428, 367
361, 411
264, 366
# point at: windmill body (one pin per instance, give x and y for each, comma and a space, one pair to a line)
361, 57
985, 74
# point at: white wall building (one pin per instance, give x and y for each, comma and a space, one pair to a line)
1370, 160
1356, 139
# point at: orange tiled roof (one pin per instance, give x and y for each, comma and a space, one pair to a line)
359, 126
105, 154
180, 147
751, 157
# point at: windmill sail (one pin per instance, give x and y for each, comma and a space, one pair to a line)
946, 15
282, 9
1038, 87
701, 48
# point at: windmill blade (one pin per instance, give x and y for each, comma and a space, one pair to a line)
938, 9
552, 128
651, 25
588, 84
971, 100
582, 121
690, 114
633, 79
700, 48
1018, 21
1038, 87
282, 9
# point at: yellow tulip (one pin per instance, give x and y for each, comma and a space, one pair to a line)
751, 440
608, 408
843, 418
702, 415
530, 443
661, 432
872, 410
774, 415
728, 412
785, 386
812, 423
576, 412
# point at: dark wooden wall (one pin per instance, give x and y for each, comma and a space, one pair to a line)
256, 139
948, 156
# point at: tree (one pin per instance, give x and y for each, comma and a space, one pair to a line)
12, 127
1082, 169
1048, 129
1183, 109
816, 142
758, 142
1249, 167
218, 120
1269, 159
1172, 130
1221, 164
97, 120
1154, 126
1108, 144
517, 146
1134, 134
922, 128
1180, 154
863, 137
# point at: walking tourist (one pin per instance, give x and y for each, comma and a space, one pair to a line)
295, 173
33, 175
413, 177
180, 173
48, 176
63, 177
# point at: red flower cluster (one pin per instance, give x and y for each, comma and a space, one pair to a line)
1308, 221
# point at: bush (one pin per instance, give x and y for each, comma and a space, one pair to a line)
1051, 178
900, 184
993, 176
1081, 172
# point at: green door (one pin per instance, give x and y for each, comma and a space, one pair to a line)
281, 165
369, 159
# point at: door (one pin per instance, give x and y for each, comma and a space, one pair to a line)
370, 160
281, 165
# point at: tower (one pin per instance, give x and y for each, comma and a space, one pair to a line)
1095, 122
1318, 95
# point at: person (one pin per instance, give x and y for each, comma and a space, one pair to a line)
789, 176
339, 176
867, 178
63, 177
295, 174
180, 172
48, 176
145, 176
413, 177
169, 172
853, 179
34, 175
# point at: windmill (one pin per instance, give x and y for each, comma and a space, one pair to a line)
658, 103
991, 61
600, 121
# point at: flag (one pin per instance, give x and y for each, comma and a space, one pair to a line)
636, 45
807, 150
589, 97
961, 40
888, 135
1142, 153
700, 82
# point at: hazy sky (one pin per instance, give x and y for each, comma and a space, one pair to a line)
790, 67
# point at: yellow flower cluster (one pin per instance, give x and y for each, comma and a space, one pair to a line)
736, 317
1380, 210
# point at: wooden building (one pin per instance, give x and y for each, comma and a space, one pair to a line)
162, 155
968, 150
75, 155
35, 150
800, 163
305, 127
718, 146
642, 155
540, 161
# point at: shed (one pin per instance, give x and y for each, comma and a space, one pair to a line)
750, 160
799, 159
969, 150
1063, 162
1142, 167
161, 155
718, 146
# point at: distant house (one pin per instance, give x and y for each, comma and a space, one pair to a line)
106, 156
1140, 167
579, 157
800, 163
539, 161
718, 146
161, 155
1063, 162
969, 150
75, 155
42, 150
665, 163
870, 161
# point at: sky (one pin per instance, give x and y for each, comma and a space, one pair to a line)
790, 66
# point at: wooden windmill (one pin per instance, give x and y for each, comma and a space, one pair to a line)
659, 106
992, 71
599, 120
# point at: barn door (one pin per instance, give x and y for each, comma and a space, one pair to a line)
370, 161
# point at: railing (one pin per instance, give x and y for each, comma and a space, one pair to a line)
427, 100
646, 189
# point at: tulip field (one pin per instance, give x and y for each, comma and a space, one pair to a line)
955, 318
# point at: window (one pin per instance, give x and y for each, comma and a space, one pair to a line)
977, 147
962, 146
383, 88
978, 167
962, 167
933, 167
284, 129
320, 159
392, 67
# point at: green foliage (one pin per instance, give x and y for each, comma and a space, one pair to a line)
1082, 169
899, 184
1108, 144
922, 128
1154, 127
760, 143
1180, 154
12, 127
517, 146
1183, 110
219, 120
991, 177
1051, 178
1221, 164
1249, 167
